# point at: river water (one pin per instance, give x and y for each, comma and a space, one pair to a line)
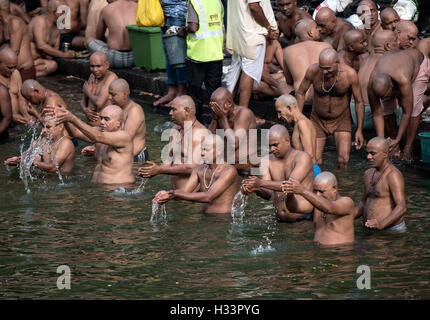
115, 252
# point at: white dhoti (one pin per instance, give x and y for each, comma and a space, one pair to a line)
253, 68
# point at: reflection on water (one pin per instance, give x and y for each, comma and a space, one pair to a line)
114, 251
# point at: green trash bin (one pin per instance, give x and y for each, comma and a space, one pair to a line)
147, 47
425, 146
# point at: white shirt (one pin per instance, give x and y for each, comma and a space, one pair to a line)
244, 34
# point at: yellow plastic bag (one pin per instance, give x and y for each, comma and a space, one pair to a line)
149, 14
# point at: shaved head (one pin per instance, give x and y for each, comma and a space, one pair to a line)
328, 56
287, 100
352, 36
325, 14
98, 58
303, 26
7, 54
407, 34
380, 38
4, 4
407, 26
29, 86
185, 101
279, 131
327, 178
121, 85
222, 94
368, 3
389, 19
112, 111
379, 143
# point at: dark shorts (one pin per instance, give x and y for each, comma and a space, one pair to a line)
75, 142
28, 74
143, 156
327, 127
305, 217
67, 38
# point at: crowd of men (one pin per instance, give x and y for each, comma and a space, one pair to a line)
323, 63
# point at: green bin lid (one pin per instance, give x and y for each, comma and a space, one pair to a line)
143, 29
424, 135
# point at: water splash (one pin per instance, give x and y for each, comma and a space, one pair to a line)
37, 142
263, 248
158, 212
238, 207
142, 184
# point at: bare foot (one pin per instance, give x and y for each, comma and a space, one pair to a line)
396, 153
259, 121
166, 99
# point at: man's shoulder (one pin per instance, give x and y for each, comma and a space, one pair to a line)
302, 158
394, 173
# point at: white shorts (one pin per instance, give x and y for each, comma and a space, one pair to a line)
253, 68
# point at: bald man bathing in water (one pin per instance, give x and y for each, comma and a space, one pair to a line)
217, 183
57, 154
332, 29
236, 121
333, 214
38, 95
96, 88
287, 18
355, 45
10, 78
45, 39
332, 82
114, 146
389, 19
13, 30
383, 205
304, 134
400, 76
300, 56
382, 41
134, 120
284, 163
183, 113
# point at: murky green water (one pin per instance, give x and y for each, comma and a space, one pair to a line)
113, 250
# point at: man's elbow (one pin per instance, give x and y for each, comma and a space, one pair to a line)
254, 7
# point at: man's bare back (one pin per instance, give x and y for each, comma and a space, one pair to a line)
298, 58
116, 16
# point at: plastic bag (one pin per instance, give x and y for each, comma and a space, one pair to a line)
149, 14
407, 10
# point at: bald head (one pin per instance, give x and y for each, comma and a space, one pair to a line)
287, 100
221, 94
29, 86
328, 56
279, 131
303, 28
407, 26
352, 36
4, 4
98, 58
121, 85
379, 143
389, 19
325, 14
185, 101
327, 178
7, 54
112, 111
381, 84
368, 3
381, 38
